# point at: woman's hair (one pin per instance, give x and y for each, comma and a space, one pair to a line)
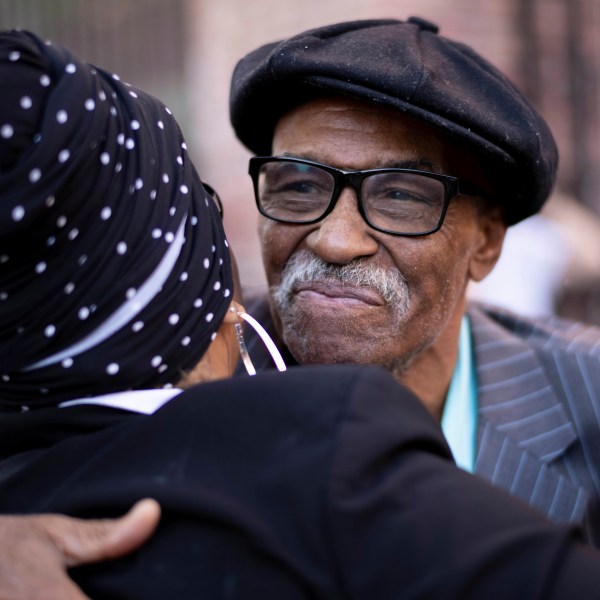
115, 271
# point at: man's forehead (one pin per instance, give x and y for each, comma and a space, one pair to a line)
350, 133
346, 110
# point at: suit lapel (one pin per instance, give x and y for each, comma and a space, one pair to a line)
523, 429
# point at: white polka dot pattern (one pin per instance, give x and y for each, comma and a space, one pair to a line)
125, 225
112, 369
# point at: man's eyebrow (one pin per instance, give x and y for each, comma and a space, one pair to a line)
421, 164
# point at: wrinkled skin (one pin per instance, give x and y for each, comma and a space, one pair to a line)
336, 324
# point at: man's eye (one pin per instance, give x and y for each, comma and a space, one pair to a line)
401, 195
297, 187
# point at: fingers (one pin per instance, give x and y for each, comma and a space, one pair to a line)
53, 587
84, 541
31, 566
36, 550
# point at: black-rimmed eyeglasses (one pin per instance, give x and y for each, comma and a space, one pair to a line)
396, 201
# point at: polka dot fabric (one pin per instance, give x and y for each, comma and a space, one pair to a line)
114, 267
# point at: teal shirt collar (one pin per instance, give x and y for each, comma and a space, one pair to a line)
459, 419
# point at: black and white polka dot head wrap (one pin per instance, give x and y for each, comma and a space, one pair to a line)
115, 271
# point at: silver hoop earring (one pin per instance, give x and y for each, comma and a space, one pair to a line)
264, 336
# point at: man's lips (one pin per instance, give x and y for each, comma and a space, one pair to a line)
336, 293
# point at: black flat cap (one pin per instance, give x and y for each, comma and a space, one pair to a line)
409, 67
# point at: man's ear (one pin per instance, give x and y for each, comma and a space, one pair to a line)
492, 229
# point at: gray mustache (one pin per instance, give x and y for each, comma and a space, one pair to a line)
305, 267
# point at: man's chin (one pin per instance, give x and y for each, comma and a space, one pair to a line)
320, 354
330, 339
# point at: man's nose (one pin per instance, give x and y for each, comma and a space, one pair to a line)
343, 235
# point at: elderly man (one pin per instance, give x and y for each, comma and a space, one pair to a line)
390, 162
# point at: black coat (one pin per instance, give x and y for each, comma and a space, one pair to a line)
318, 483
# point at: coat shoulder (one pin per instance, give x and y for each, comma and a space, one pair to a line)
543, 334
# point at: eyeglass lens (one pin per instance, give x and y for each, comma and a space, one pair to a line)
394, 201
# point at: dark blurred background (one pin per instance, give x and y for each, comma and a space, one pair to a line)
184, 51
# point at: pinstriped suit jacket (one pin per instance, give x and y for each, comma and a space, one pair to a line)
538, 434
